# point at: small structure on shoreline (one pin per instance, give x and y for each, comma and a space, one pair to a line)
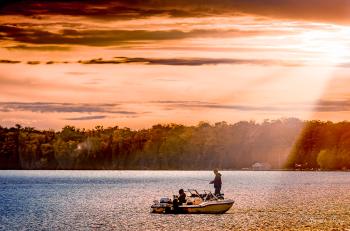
261, 166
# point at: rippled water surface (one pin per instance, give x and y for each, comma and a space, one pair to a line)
120, 200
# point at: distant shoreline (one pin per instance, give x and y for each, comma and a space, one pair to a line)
281, 145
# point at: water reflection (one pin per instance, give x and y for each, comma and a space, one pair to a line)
120, 200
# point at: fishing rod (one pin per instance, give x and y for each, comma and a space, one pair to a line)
198, 179
193, 178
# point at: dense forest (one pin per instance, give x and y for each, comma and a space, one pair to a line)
322, 145
289, 143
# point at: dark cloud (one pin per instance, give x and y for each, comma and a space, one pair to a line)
34, 35
96, 9
171, 62
209, 105
38, 48
187, 61
195, 102
42, 107
33, 62
87, 118
332, 106
321, 106
63, 108
9, 61
320, 10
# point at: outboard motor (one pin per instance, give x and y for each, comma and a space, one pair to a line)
162, 206
165, 200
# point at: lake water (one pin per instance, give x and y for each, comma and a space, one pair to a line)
120, 200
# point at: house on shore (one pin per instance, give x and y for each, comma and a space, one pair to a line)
261, 166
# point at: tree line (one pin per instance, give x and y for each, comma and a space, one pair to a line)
322, 145
288, 143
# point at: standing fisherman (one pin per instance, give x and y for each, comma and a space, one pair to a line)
217, 182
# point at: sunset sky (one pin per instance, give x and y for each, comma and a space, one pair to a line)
139, 63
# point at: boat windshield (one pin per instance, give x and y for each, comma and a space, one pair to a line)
203, 194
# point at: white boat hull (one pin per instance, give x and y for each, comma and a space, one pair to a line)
207, 207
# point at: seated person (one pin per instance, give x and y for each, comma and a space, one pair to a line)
179, 200
182, 197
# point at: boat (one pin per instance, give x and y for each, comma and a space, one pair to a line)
196, 203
